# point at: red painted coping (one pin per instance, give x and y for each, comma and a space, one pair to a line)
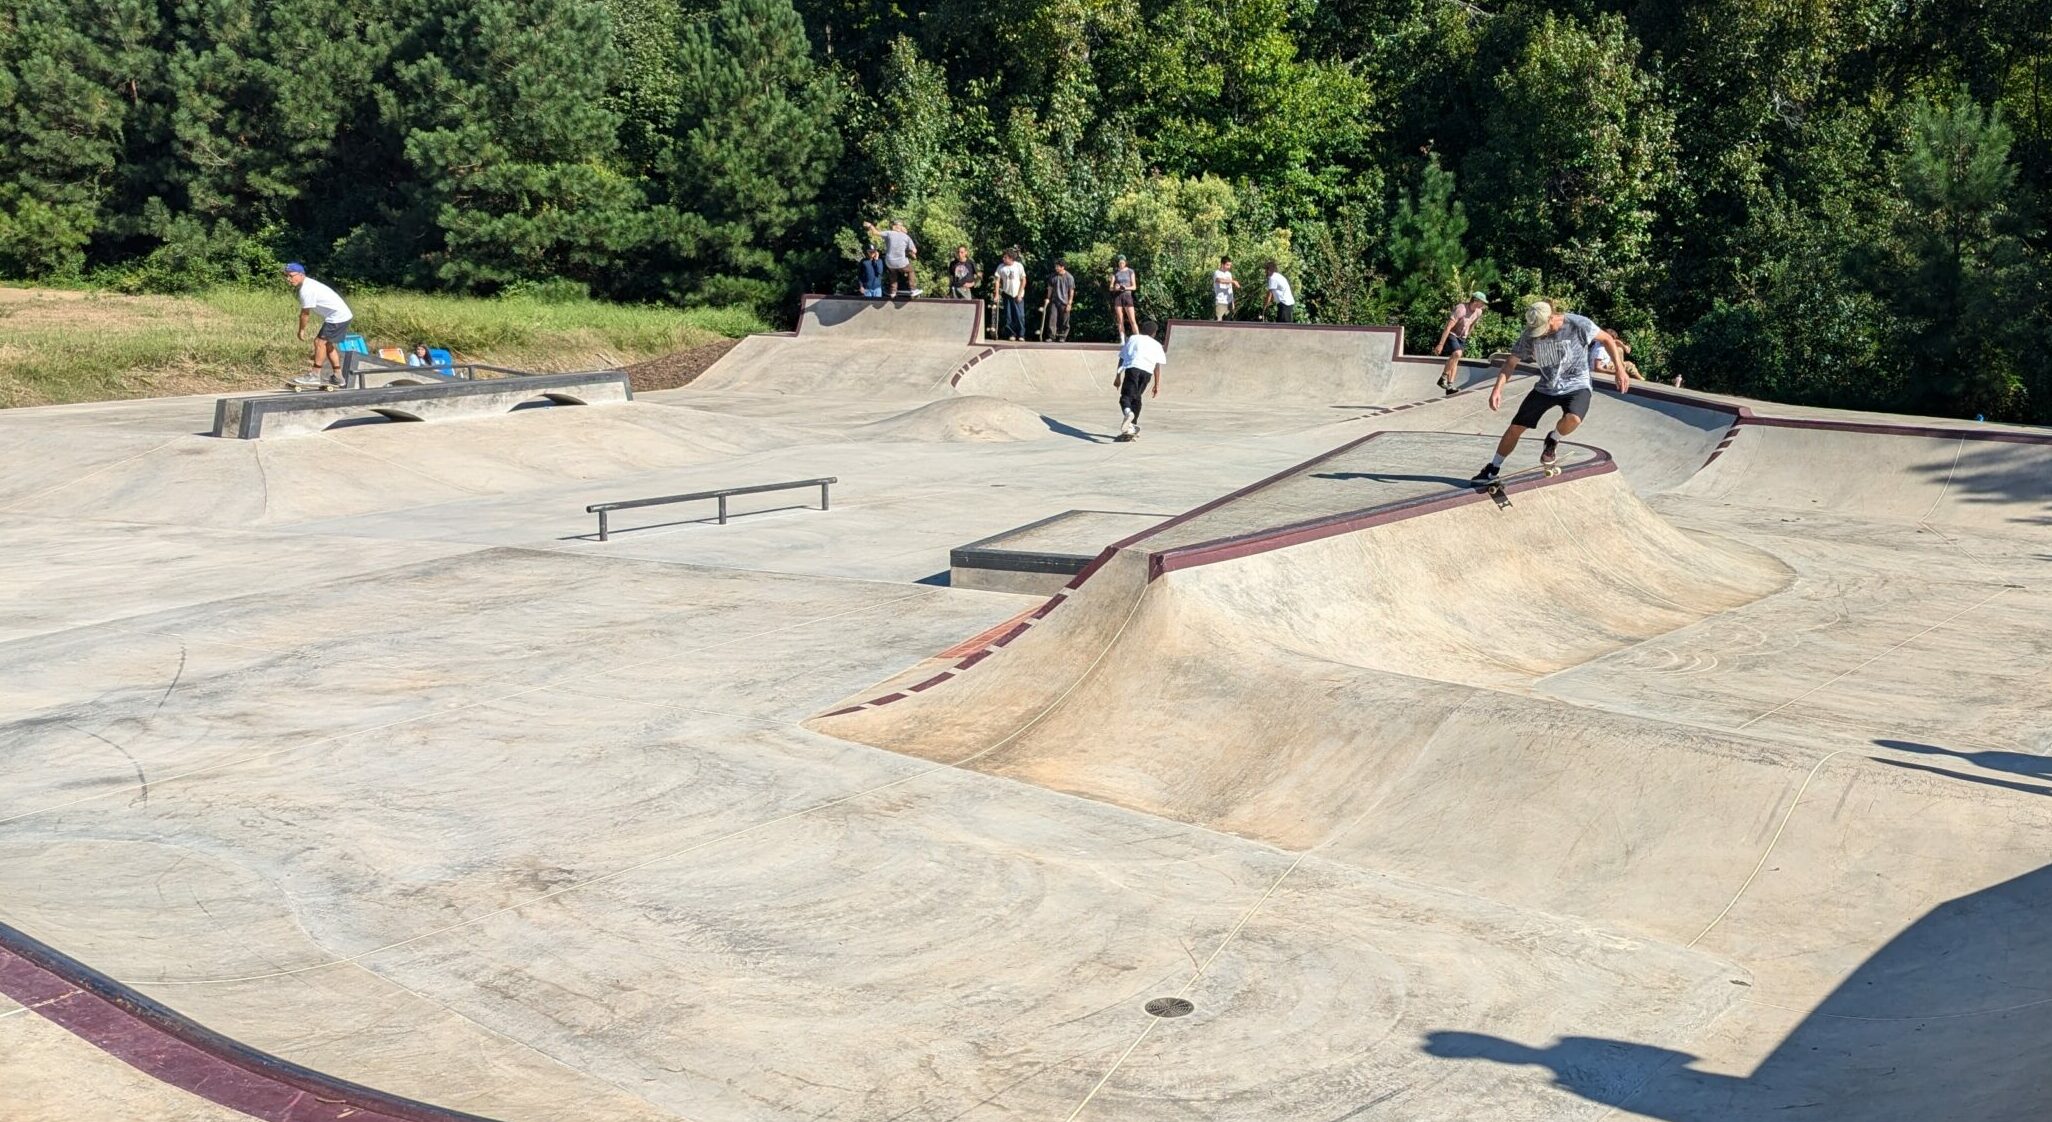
165, 1044
974, 651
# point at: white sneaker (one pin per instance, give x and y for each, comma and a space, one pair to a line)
914, 292
310, 381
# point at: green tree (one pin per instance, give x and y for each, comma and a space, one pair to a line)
72, 76
1577, 157
1960, 280
501, 107
1428, 259
756, 136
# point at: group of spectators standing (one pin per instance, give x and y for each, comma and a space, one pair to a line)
886, 270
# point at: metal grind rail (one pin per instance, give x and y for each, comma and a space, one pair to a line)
723, 494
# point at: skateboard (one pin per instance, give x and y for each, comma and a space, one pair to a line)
290, 387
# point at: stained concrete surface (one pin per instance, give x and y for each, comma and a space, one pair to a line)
1678, 792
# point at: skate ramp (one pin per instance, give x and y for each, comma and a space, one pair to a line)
962, 420
198, 480
833, 366
1989, 479
905, 321
1360, 689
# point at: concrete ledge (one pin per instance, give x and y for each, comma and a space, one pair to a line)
163, 1043
289, 414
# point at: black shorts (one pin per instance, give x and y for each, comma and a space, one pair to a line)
1536, 404
1123, 298
333, 332
1456, 343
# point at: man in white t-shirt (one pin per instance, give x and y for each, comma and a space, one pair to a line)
1225, 290
335, 317
1011, 287
1141, 360
1279, 296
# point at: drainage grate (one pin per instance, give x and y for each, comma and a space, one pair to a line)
1170, 1007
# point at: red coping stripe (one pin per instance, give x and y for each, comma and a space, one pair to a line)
1282, 537
165, 1044
955, 379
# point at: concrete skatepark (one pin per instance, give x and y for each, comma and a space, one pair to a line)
347, 775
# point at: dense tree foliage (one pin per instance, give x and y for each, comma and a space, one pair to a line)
1836, 202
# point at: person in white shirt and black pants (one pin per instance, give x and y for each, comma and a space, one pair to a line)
1141, 361
1279, 296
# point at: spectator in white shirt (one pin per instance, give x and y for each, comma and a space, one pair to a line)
1279, 296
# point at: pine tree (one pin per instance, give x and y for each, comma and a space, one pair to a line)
757, 132
1961, 278
1427, 256
72, 78
501, 106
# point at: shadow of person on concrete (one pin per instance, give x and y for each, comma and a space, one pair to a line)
1063, 428
2015, 763
1950, 1019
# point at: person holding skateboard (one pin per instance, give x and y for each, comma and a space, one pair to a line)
1459, 329
1557, 345
335, 320
1011, 287
1279, 296
1054, 310
1225, 291
1125, 305
963, 275
1141, 361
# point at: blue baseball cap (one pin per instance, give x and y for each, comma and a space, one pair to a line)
294, 267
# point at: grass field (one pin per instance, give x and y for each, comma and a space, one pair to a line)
65, 345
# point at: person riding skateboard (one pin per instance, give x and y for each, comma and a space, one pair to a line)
335, 319
1557, 345
1458, 332
1141, 361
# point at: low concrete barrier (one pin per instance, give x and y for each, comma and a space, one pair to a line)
273, 415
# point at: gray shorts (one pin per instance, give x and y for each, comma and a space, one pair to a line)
333, 332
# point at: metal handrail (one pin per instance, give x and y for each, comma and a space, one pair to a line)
601, 509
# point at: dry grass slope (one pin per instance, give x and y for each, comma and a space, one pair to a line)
61, 345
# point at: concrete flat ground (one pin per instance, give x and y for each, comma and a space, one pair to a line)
1704, 781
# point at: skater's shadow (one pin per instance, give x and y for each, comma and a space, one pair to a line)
2025, 764
1943, 1013
1065, 429
1392, 477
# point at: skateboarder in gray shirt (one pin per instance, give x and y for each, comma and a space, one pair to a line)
899, 251
1557, 344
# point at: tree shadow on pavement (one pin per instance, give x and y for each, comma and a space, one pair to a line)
1950, 1019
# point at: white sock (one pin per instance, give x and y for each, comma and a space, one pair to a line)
1555, 435
1496, 461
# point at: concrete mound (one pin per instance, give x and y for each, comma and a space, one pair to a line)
962, 420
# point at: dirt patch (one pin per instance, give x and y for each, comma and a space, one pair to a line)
678, 368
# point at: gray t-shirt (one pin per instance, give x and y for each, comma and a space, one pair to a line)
1560, 359
1063, 287
897, 247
